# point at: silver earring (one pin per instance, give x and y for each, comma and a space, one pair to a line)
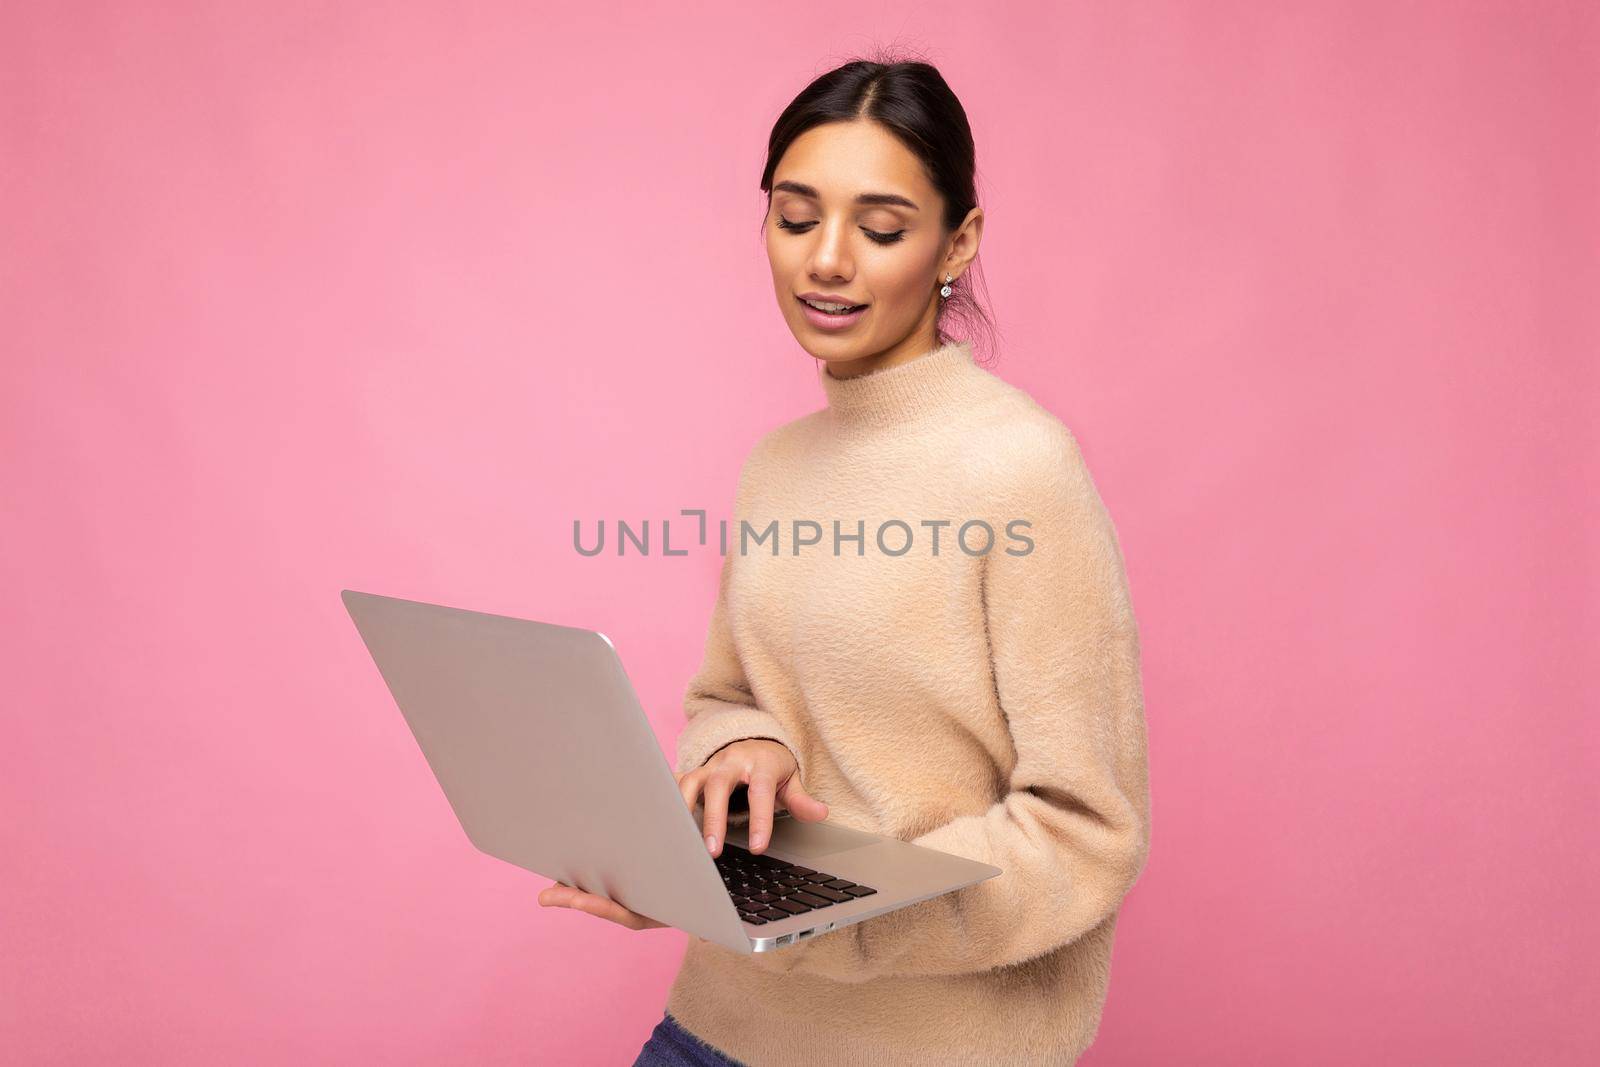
945, 289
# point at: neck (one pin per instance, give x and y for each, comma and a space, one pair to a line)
908, 349
900, 393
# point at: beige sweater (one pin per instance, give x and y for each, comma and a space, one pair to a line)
985, 703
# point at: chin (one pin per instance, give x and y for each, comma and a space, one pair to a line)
831, 355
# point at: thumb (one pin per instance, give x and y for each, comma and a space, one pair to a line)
802, 805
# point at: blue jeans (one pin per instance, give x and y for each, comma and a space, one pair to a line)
670, 1045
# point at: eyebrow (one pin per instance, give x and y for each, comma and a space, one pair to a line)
886, 199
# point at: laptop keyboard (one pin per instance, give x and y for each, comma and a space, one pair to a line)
765, 888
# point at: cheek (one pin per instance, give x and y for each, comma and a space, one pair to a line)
902, 283
782, 249
783, 266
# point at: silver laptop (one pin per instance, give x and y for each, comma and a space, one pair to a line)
542, 749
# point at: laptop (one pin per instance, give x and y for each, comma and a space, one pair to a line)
545, 754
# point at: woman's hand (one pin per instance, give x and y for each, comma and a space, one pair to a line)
562, 895
765, 767
767, 770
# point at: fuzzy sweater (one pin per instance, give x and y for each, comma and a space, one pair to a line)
985, 703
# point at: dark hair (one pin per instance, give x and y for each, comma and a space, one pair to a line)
911, 100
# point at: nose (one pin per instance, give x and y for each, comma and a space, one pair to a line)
830, 254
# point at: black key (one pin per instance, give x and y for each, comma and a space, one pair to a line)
860, 891
754, 920
790, 906
830, 894
773, 913
818, 876
764, 897
839, 883
807, 898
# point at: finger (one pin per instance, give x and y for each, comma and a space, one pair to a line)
565, 896
555, 896
762, 794
601, 908
801, 805
689, 785
610, 910
714, 799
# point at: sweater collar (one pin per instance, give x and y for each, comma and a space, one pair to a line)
902, 393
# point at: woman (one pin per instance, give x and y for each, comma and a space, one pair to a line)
934, 678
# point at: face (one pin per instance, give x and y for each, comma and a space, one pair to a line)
854, 220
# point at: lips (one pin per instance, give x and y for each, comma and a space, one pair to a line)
832, 320
824, 298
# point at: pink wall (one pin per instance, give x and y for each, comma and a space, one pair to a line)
311, 297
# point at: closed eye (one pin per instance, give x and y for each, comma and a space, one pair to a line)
881, 238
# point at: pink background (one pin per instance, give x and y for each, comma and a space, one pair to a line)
308, 297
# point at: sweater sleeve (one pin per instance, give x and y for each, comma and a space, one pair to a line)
1072, 832
721, 707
